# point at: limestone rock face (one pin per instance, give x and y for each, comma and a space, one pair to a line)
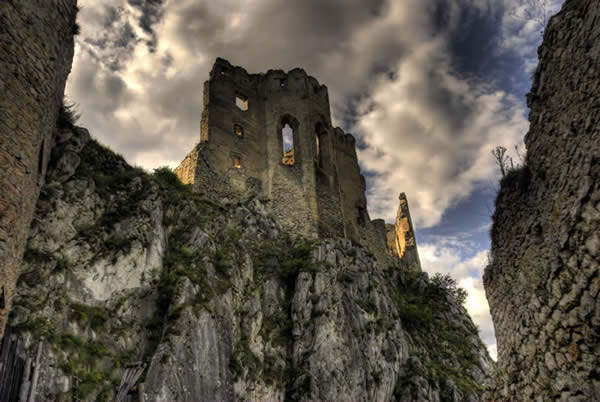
542, 283
215, 301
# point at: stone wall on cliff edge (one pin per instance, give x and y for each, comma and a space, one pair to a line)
543, 280
36, 52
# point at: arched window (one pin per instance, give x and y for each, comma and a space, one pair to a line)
320, 134
287, 136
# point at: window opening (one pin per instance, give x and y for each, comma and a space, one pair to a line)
361, 212
2, 298
241, 102
282, 82
320, 136
238, 130
287, 135
237, 162
318, 142
41, 159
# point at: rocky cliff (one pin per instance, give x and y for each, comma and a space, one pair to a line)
134, 285
542, 284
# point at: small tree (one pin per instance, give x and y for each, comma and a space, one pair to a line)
447, 284
504, 161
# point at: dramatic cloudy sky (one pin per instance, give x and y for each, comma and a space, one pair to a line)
428, 87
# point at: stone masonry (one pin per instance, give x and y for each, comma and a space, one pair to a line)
401, 237
543, 280
314, 184
36, 52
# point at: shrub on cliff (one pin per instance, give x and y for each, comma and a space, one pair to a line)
67, 115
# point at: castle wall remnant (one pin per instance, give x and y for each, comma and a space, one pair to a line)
543, 280
36, 52
270, 135
401, 237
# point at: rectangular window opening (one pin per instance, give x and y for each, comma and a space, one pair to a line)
238, 130
361, 215
241, 102
41, 159
2, 298
237, 162
319, 162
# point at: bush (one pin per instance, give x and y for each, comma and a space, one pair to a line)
84, 314
441, 284
67, 116
167, 179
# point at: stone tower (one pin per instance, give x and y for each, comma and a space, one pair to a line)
270, 135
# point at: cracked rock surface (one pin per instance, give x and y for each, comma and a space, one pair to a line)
217, 302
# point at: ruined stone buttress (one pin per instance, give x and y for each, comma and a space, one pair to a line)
270, 135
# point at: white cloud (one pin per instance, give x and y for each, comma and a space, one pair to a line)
522, 27
429, 133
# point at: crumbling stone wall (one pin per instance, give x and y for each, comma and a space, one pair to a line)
322, 194
400, 237
543, 281
318, 194
36, 52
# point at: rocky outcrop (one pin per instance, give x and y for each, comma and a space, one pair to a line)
36, 51
126, 271
543, 281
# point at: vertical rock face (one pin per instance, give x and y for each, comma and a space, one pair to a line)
36, 51
542, 283
218, 302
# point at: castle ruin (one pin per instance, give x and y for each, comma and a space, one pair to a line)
270, 135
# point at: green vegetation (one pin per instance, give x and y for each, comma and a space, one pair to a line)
277, 328
63, 264
41, 261
517, 179
82, 357
423, 306
244, 358
441, 285
67, 116
284, 261
34, 255
168, 180
110, 172
93, 316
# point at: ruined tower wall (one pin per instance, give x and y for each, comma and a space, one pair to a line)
222, 115
351, 186
322, 193
298, 100
401, 239
36, 52
304, 196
